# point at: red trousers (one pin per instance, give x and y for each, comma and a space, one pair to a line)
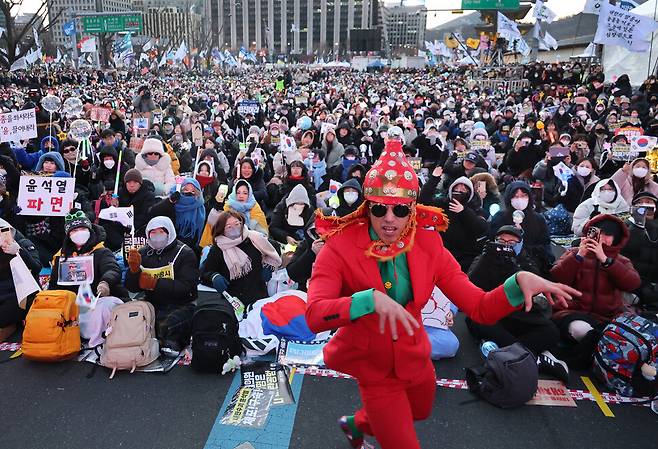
391, 406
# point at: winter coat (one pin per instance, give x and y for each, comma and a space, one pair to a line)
430, 153
334, 152
180, 290
142, 201
489, 270
466, 227
106, 267
105, 175
160, 174
601, 287
279, 227
593, 206
248, 288
257, 185
625, 182
359, 348
642, 249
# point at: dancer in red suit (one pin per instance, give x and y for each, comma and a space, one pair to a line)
371, 280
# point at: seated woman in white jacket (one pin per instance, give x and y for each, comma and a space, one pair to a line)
606, 199
155, 165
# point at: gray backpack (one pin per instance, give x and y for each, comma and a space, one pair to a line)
130, 337
508, 377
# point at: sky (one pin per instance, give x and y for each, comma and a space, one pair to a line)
560, 7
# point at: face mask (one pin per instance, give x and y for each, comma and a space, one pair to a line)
517, 247
3, 172
297, 209
640, 172
109, 164
150, 162
80, 237
519, 203
188, 193
584, 171
233, 233
351, 197
462, 197
158, 242
607, 196
275, 133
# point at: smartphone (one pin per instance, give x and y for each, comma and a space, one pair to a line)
500, 249
223, 190
594, 234
313, 233
5, 236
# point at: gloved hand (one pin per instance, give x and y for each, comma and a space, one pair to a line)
134, 260
84, 163
147, 282
103, 289
219, 282
174, 197
12, 248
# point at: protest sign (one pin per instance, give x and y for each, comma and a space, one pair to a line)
141, 123
248, 107
18, 125
622, 152
249, 407
435, 312
625, 29
197, 134
76, 270
269, 376
300, 353
480, 144
45, 196
552, 392
629, 131
130, 242
100, 114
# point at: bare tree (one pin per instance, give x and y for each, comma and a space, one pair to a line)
17, 40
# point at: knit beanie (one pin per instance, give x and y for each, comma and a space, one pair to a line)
76, 219
133, 175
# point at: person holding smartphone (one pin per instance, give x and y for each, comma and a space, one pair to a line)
602, 274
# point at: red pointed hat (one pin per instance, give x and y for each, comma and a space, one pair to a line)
391, 180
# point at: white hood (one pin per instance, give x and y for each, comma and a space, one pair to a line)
162, 222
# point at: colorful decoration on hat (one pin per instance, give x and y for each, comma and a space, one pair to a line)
392, 179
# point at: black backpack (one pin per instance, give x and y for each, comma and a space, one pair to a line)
508, 377
215, 337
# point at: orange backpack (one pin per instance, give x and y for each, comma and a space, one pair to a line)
52, 331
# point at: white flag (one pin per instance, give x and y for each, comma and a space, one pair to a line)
590, 51
123, 215
507, 28
88, 45
32, 56
36, 37
547, 41
593, 6
543, 13
19, 64
181, 52
148, 45
59, 56
625, 29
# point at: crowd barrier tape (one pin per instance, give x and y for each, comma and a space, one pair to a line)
457, 384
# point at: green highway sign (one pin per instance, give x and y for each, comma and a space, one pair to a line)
112, 23
490, 4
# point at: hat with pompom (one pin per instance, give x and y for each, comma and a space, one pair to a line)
392, 179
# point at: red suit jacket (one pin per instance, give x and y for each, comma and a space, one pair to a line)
358, 348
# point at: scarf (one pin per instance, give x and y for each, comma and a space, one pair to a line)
237, 261
190, 217
243, 208
319, 170
204, 180
347, 164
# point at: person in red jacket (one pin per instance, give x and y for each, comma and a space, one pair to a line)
370, 281
596, 269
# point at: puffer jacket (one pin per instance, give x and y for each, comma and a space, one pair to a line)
160, 174
594, 206
601, 287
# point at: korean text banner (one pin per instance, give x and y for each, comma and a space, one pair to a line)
18, 125
45, 196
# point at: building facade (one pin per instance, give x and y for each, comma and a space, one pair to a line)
172, 25
403, 29
72, 7
302, 27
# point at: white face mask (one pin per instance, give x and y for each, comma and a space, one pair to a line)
519, 203
351, 197
640, 172
584, 171
80, 237
606, 196
3, 172
158, 242
109, 164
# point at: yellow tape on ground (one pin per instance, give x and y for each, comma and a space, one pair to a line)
597, 397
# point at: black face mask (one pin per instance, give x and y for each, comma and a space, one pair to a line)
462, 197
188, 193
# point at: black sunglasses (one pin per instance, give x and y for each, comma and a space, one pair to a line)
399, 210
68, 150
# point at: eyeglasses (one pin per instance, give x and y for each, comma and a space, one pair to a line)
68, 150
75, 215
153, 154
506, 242
399, 210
